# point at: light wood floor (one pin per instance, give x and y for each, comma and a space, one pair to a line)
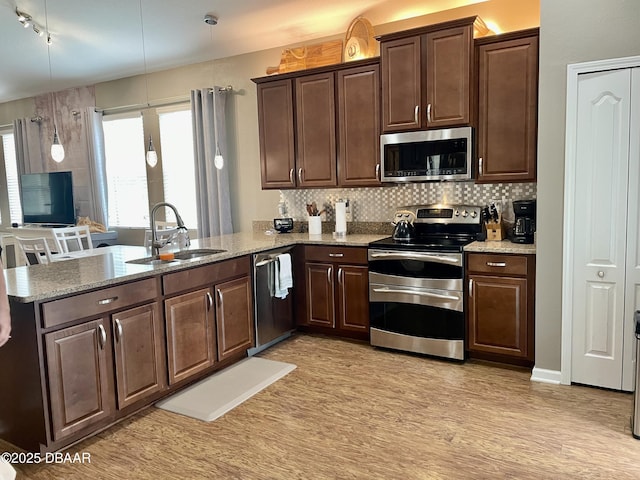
353, 412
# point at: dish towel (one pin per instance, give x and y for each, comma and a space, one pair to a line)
283, 277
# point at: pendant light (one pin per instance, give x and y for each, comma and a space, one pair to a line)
151, 155
57, 150
218, 160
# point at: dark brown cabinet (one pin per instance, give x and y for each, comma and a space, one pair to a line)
507, 107
316, 130
99, 367
80, 372
337, 290
209, 316
427, 76
276, 133
500, 307
234, 317
328, 126
359, 126
138, 346
191, 335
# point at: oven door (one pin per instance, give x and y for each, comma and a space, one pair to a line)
416, 302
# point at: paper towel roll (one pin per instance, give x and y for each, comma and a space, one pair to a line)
341, 217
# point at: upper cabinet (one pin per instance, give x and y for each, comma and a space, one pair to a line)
507, 107
320, 127
316, 130
427, 76
275, 124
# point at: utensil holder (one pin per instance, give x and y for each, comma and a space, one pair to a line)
315, 225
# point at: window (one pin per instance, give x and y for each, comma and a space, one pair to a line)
178, 168
11, 167
126, 171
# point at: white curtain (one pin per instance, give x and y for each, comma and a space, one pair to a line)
28, 151
97, 165
212, 185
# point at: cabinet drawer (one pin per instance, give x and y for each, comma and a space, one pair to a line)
96, 303
337, 254
206, 275
497, 264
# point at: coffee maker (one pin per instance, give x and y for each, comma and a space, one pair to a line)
525, 221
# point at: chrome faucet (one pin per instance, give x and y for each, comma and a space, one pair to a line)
155, 244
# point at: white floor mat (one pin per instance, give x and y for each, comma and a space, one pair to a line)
216, 395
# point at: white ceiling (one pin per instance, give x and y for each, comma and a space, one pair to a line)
100, 40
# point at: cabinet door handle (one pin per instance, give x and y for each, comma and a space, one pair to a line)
496, 264
416, 114
429, 113
340, 276
103, 336
220, 298
329, 274
601, 274
470, 287
118, 330
378, 172
480, 165
291, 180
107, 301
300, 175
209, 301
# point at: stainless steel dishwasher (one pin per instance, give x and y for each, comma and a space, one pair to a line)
273, 316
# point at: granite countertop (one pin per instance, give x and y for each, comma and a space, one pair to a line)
505, 246
109, 267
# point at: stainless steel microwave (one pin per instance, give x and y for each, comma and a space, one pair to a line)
428, 155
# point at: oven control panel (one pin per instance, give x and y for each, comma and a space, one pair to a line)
439, 213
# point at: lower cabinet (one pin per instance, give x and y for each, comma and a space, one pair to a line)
234, 317
79, 363
191, 338
212, 321
337, 289
102, 366
501, 307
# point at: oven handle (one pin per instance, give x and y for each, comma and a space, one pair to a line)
416, 292
416, 256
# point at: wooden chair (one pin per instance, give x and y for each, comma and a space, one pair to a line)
35, 250
72, 239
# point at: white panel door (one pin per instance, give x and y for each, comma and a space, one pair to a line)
602, 149
632, 281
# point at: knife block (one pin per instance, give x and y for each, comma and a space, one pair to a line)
496, 231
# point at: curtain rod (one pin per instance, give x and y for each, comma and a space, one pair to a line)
160, 103
140, 106
6, 125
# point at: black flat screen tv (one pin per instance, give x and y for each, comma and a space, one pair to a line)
47, 198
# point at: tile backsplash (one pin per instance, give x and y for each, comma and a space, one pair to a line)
378, 204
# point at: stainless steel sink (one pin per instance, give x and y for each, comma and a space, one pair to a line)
200, 252
183, 255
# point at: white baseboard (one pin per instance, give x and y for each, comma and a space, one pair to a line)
546, 376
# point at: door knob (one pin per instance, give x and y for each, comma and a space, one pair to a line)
601, 274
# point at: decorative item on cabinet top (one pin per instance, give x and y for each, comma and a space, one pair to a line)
308, 56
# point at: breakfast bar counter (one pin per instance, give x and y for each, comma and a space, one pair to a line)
107, 266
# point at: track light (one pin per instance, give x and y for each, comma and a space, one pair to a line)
27, 21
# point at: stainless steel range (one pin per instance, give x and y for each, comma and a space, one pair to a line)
416, 289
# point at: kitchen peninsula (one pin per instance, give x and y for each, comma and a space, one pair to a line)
96, 338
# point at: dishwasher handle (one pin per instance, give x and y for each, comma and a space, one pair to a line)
263, 259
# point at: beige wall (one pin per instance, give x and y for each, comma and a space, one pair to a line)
571, 31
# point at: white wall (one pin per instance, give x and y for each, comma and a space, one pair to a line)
571, 31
